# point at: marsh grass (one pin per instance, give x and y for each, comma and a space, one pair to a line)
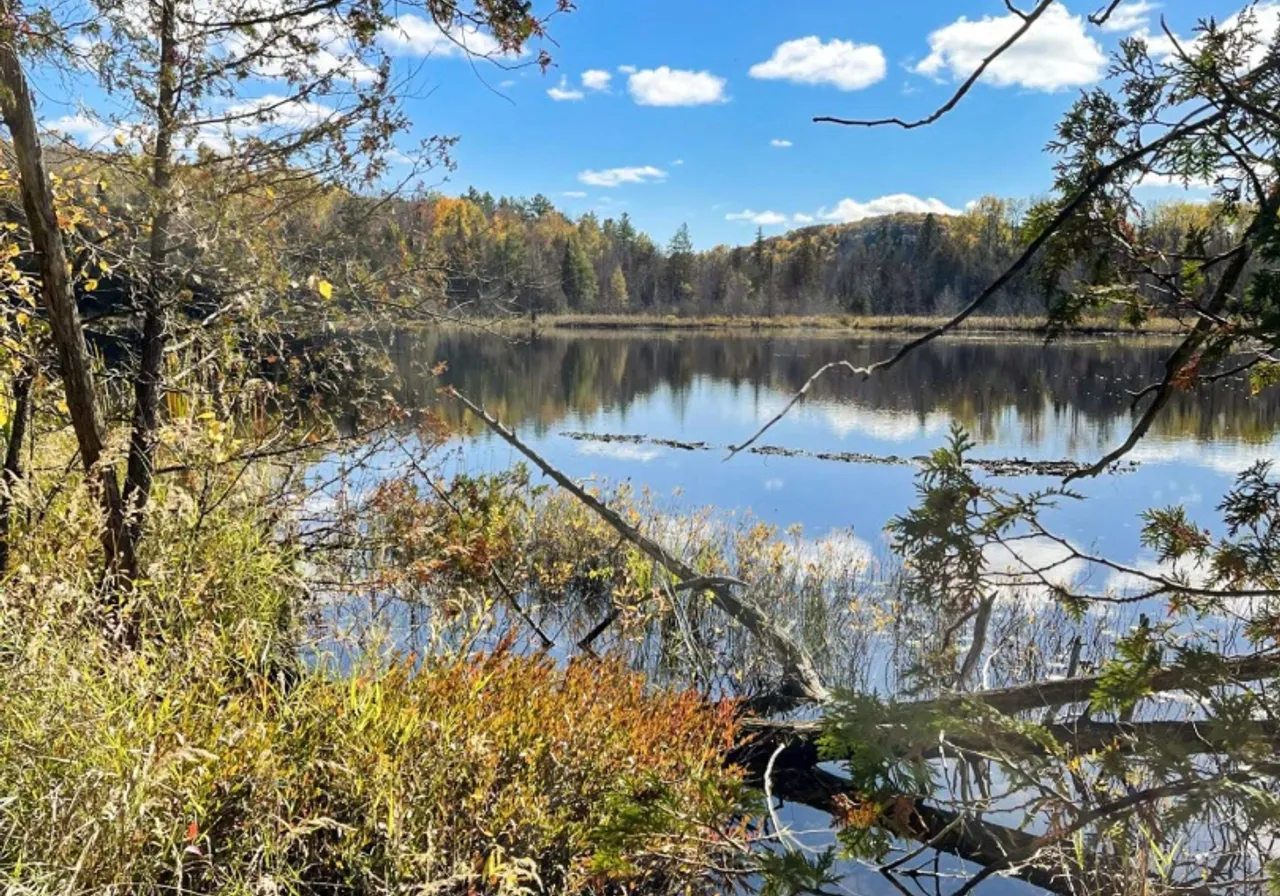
889, 323
570, 573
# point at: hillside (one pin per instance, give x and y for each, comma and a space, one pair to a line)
518, 255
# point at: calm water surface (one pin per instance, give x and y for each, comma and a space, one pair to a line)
1016, 397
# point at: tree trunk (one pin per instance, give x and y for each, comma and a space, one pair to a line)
146, 384
22, 385
58, 298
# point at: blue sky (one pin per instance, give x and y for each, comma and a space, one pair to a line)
716, 155
699, 111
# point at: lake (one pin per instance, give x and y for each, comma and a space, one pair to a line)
1016, 397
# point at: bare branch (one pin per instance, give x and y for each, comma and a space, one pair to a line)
1008, 4
798, 667
1099, 18
1044, 694
1028, 19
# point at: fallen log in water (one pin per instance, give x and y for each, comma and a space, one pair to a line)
993, 466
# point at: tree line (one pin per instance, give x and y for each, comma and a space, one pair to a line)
512, 254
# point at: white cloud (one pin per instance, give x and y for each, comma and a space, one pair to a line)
84, 128
637, 453
596, 79
808, 60
834, 547
334, 54
664, 86
1152, 180
1159, 46
884, 425
1224, 458
412, 35
780, 144
764, 219
627, 69
575, 194
1130, 16
802, 218
1030, 573
1055, 53
1266, 22
1263, 28
847, 210
678, 162
562, 92
267, 117
264, 112
612, 177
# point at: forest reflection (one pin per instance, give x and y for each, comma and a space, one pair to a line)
1080, 388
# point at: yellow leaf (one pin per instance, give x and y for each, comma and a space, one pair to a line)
22, 318
271, 194
103, 266
62, 405
325, 288
91, 284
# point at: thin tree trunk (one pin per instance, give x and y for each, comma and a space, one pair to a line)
974, 656
146, 384
22, 385
56, 293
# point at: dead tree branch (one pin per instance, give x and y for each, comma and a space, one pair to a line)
801, 676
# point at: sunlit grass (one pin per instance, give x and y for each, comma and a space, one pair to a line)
887, 323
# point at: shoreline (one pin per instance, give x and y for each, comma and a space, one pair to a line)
830, 323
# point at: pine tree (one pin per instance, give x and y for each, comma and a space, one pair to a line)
680, 266
577, 277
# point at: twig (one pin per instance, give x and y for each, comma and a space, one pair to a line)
1028, 19
1185, 353
1099, 18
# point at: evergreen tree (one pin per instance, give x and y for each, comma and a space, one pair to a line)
680, 260
540, 206
577, 276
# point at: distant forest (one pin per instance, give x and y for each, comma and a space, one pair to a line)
525, 255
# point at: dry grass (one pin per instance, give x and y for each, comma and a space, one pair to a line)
843, 322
